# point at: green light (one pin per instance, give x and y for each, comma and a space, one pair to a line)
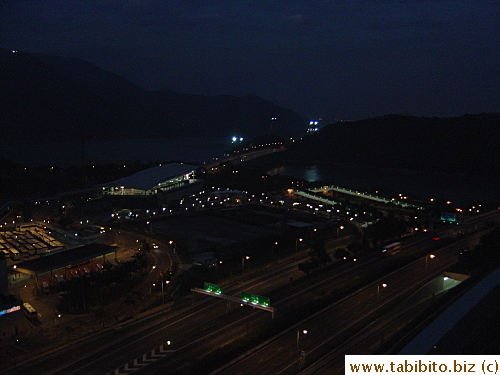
448, 217
246, 297
213, 288
255, 299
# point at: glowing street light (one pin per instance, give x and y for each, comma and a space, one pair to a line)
243, 263
297, 243
431, 256
173, 243
341, 228
383, 285
217, 265
304, 332
162, 294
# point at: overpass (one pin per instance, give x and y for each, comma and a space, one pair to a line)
314, 195
360, 194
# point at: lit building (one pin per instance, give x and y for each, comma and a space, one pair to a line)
153, 180
313, 127
153, 187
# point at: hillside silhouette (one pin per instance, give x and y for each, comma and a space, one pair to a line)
461, 145
51, 97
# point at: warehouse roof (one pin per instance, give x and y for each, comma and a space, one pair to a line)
64, 258
149, 178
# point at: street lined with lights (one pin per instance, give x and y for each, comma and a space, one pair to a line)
192, 335
335, 323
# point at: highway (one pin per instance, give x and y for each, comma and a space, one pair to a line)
198, 330
335, 329
240, 157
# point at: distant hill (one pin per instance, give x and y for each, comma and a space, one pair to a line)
46, 96
468, 144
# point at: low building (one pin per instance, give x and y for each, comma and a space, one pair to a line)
153, 187
152, 180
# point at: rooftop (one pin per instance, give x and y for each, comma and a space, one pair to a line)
149, 178
64, 258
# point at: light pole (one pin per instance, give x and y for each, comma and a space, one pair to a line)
297, 243
243, 263
304, 332
162, 294
172, 242
384, 285
341, 227
432, 256
274, 247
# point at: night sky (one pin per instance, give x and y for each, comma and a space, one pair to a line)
344, 59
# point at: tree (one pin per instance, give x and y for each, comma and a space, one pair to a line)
386, 228
318, 257
318, 253
306, 267
144, 247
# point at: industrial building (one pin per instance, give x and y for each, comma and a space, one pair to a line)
153, 187
150, 181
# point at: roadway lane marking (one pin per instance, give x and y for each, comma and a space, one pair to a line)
129, 367
137, 363
146, 359
143, 360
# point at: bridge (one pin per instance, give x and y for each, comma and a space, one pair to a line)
313, 194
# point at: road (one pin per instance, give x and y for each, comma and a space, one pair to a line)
340, 322
236, 159
205, 326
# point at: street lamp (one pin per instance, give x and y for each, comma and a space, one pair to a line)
274, 247
341, 227
384, 285
243, 263
172, 242
432, 256
297, 243
162, 294
304, 332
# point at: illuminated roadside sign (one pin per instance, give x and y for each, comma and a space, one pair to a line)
255, 299
12, 309
448, 217
214, 288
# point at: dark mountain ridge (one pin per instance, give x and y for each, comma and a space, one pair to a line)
461, 145
46, 96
